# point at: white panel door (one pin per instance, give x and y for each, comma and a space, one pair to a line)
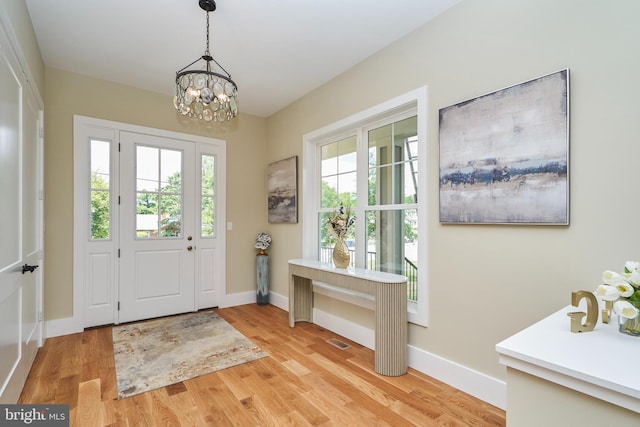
10, 227
20, 226
157, 226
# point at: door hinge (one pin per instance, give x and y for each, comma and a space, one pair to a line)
118, 147
118, 252
118, 305
118, 199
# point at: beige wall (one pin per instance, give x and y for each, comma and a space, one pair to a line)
503, 278
67, 94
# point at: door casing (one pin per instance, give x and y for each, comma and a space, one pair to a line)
91, 309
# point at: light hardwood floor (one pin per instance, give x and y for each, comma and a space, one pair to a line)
305, 382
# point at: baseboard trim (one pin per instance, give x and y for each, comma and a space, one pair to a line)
279, 301
477, 384
240, 298
59, 327
358, 333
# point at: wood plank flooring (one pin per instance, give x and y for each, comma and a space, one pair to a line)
305, 382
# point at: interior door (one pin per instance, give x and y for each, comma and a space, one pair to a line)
157, 227
10, 227
20, 227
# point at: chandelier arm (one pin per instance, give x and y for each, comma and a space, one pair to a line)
218, 64
182, 69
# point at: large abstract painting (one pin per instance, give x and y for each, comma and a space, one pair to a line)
282, 180
504, 156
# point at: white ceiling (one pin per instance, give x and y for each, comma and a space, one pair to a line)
275, 50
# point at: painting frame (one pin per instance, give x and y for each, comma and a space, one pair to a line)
504, 156
282, 191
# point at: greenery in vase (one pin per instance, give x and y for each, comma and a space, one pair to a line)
624, 289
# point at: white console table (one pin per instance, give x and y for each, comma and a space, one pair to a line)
565, 378
390, 294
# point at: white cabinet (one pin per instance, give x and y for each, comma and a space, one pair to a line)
556, 377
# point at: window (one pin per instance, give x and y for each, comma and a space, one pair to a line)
207, 196
100, 188
338, 187
374, 163
158, 192
392, 200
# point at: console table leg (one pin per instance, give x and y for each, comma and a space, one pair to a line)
391, 330
301, 295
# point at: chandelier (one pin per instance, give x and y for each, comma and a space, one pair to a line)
206, 94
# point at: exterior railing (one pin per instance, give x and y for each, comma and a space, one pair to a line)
409, 268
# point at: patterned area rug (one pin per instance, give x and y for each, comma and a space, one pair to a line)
161, 352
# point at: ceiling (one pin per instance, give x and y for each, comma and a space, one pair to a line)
275, 50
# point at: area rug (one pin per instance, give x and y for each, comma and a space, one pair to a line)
161, 352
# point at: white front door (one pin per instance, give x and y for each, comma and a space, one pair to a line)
149, 219
20, 226
157, 227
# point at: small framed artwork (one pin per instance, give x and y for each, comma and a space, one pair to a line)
504, 156
282, 181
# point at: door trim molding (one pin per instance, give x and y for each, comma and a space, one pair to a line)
81, 225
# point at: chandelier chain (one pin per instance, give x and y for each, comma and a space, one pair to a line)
206, 52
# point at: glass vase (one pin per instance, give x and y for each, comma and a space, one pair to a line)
630, 326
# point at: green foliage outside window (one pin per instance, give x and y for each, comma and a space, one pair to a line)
100, 209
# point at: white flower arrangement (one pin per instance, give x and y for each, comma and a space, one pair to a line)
263, 240
340, 222
624, 289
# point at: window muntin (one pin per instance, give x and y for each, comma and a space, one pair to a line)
393, 163
100, 189
208, 195
338, 172
159, 192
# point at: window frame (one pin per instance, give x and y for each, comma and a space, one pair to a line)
410, 103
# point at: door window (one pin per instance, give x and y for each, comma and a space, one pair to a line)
158, 192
